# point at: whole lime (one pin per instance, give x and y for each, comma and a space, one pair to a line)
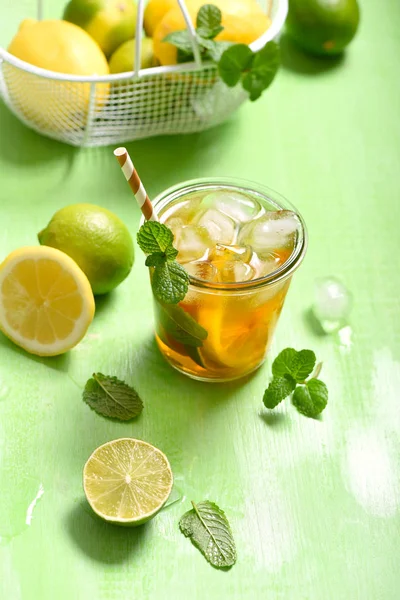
323, 26
109, 22
97, 240
123, 58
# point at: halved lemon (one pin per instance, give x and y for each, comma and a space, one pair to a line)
46, 302
127, 481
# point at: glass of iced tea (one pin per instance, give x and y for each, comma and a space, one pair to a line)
240, 243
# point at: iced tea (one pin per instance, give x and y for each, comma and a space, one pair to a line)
240, 244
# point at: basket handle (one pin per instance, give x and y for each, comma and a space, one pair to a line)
138, 38
39, 10
192, 32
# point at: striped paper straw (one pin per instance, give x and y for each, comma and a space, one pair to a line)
135, 183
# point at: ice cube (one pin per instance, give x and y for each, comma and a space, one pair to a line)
232, 271
192, 243
175, 224
239, 207
202, 269
220, 227
224, 252
273, 231
270, 263
332, 303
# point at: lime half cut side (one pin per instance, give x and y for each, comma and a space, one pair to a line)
127, 481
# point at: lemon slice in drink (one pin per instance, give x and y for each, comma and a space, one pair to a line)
127, 481
46, 302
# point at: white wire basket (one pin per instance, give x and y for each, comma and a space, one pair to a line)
96, 111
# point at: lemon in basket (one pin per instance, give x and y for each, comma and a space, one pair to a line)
244, 21
109, 22
59, 47
154, 12
124, 57
46, 303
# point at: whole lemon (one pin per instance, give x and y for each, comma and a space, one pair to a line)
124, 57
63, 48
109, 22
244, 21
154, 12
96, 239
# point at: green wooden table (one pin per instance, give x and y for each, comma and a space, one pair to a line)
314, 505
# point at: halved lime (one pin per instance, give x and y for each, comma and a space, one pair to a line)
127, 481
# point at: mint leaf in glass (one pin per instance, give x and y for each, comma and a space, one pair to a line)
311, 399
156, 259
278, 389
180, 325
209, 530
233, 62
154, 237
111, 397
170, 282
208, 22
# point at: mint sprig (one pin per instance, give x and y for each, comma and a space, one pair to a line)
236, 62
290, 370
170, 281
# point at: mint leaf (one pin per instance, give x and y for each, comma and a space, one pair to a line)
311, 399
154, 237
170, 282
171, 253
111, 397
278, 389
180, 39
262, 71
233, 62
209, 530
180, 326
303, 364
208, 23
156, 259
282, 365
297, 364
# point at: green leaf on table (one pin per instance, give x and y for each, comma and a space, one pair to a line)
208, 22
278, 389
209, 530
311, 399
111, 397
170, 282
282, 364
234, 61
262, 71
180, 325
154, 237
297, 364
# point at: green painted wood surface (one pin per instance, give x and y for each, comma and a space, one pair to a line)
314, 505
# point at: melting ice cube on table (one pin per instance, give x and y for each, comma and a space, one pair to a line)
332, 303
220, 227
237, 206
274, 230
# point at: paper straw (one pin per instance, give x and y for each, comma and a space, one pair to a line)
135, 183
